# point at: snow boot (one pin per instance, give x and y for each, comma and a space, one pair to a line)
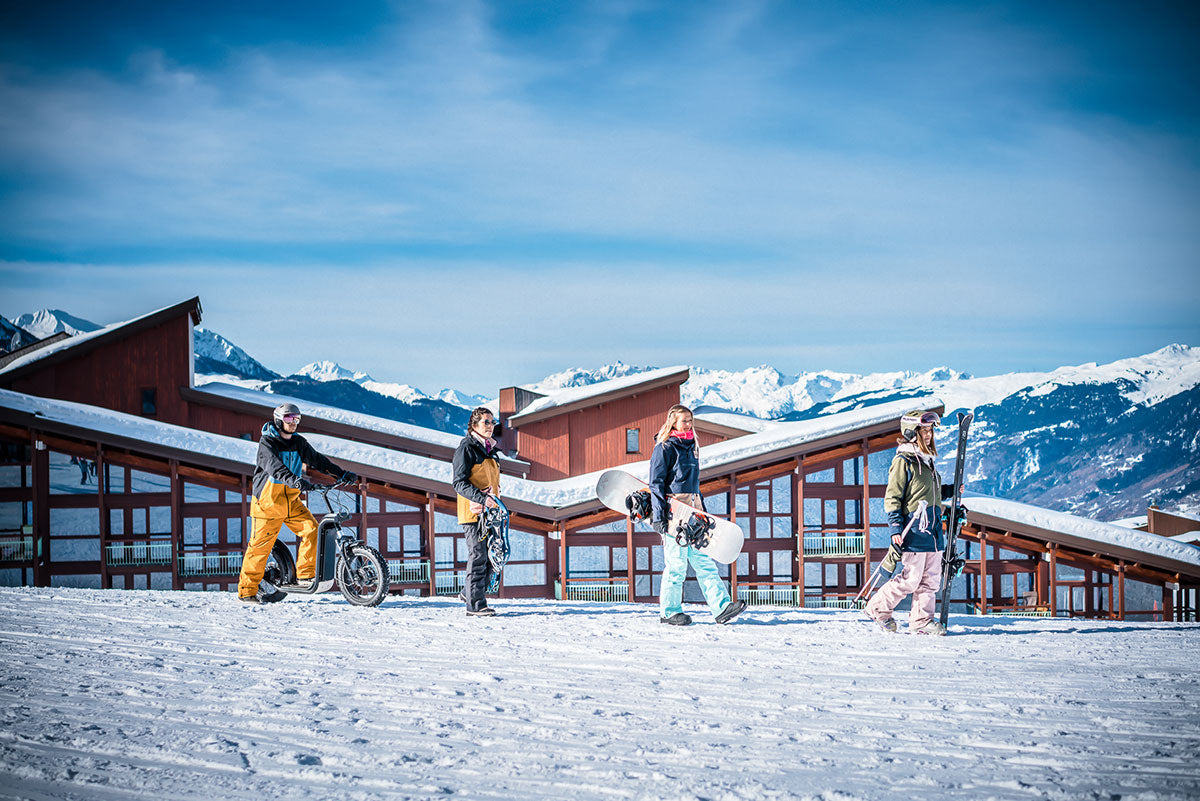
677, 619
250, 599
306, 585
731, 610
486, 611
886, 623
932, 628
268, 593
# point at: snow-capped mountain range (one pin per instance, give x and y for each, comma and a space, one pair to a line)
1095, 439
331, 371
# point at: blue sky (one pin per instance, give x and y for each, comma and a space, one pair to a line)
478, 194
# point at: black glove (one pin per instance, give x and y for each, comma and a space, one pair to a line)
348, 477
306, 485
660, 526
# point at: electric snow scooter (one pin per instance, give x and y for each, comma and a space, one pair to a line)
357, 568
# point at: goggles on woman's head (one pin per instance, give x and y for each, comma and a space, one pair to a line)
924, 419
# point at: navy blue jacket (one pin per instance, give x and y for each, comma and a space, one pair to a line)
918, 540
674, 470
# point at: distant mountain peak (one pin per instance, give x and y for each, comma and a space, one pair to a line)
48, 322
331, 371
216, 355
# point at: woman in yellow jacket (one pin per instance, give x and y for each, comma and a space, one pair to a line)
476, 478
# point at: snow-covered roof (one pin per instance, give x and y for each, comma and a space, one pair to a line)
557, 494
724, 417
578, 395
82, 339
1137, 521
333, 413
132, 427
367, 422
1082, 528
1188, 537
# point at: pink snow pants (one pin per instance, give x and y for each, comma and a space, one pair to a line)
922, 575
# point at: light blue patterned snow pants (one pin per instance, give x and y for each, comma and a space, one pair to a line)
675, 563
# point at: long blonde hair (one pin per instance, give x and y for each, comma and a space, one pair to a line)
673, 415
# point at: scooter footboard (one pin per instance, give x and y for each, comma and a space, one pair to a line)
327, 536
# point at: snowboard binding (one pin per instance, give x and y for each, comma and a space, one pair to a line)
696, 532
638, 504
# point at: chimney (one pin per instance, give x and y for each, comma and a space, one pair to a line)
512, 401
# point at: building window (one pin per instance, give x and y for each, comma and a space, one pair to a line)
631, 440
150, 401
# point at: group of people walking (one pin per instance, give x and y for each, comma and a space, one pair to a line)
913, 503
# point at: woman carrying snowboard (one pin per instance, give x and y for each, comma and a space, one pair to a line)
675, 473
476, 477
913, 479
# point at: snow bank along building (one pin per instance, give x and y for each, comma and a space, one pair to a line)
118, 470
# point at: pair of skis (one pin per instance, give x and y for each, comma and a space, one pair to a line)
951, 563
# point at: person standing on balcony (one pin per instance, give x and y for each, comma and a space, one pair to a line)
675, 473
913, 478
278, 481
476, 476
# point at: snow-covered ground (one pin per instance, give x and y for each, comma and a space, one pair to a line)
143, 694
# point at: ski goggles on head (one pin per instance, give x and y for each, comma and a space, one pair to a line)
290, 418
925, 419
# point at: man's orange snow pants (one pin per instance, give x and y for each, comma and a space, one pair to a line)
262, 538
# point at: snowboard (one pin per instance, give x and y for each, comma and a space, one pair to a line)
725, 538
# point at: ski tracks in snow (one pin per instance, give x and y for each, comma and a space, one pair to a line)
142, 694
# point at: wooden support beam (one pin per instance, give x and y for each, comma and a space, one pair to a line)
865, 518
734, 566
983, 571
629, 555
408, 497
798, 524
589, 520
1053, 578
40, 468
431, 542
224, 480
562, 559
73, 447
14, 433
159, 466
177, 524
362, 517
102, 507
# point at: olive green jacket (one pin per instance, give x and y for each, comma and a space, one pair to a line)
912, 479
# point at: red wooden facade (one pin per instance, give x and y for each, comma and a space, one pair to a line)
137, 369
591, 435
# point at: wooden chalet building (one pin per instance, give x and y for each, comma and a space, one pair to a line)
117, 470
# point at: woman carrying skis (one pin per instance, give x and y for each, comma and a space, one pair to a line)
675, 473
476, 478
913, 503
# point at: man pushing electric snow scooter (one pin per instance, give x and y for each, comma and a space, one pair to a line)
278, 481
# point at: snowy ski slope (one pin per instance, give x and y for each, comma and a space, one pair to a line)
173, 695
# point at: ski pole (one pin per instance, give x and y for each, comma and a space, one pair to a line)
869, 586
